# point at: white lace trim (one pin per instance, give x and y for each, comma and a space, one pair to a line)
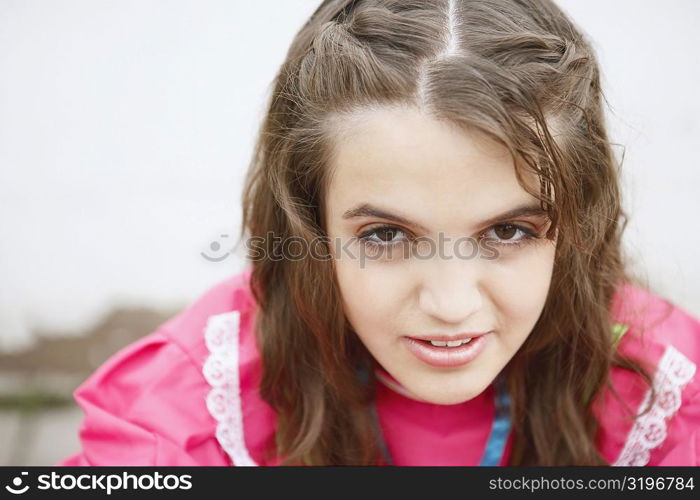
649, 431
221, 371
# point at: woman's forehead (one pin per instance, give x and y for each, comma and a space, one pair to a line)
409, 158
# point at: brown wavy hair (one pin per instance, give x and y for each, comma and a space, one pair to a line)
518, 70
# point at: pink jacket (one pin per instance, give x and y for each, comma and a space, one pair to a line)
187, 394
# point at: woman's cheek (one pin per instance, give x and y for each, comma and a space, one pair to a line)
371, 297
362, 293
519, 291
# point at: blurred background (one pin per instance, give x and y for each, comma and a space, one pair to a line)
126, 128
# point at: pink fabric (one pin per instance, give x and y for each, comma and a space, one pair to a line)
421, 433
655, 324
146, 405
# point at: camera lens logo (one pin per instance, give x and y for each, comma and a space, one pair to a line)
17, 482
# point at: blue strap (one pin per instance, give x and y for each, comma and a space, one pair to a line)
500, 428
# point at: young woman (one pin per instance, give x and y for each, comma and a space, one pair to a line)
434, 224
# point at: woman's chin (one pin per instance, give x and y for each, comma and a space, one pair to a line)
446, 397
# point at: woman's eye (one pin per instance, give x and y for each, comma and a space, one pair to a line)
385, 235
509, 234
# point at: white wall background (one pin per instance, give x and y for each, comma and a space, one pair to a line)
126, 128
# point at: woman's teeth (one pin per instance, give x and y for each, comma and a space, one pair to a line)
450, 343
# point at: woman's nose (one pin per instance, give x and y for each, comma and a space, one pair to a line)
450, 290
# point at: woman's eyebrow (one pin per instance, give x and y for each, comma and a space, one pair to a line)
369, 210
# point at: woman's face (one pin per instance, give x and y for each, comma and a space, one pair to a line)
424, 247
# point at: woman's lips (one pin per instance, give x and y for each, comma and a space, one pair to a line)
445, 338
447, 356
